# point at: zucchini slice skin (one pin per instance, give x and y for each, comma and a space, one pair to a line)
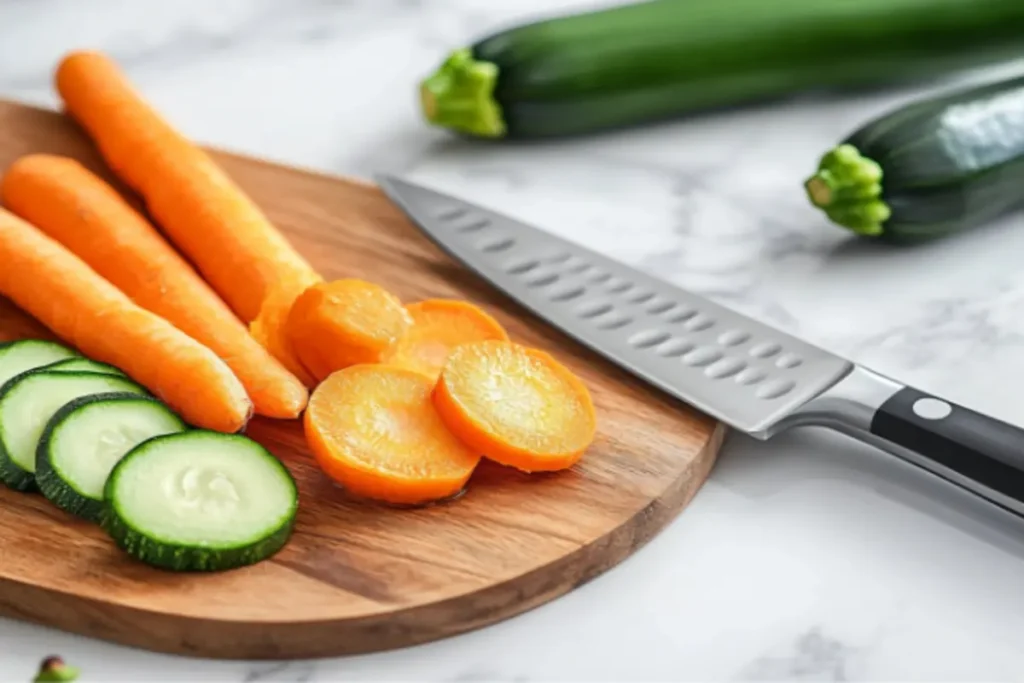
17, 396
64, 431
85, 365
23, 355
929, 169
649, 61
137, 486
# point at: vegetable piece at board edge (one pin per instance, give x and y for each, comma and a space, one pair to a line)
515, 405
930, 168
81, 308
233, 503
55, 670
22, 355
83, 441
27, 404
630, 64
77, 208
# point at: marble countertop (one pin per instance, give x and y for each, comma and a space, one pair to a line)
806, 558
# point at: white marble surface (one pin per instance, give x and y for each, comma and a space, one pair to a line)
809, 558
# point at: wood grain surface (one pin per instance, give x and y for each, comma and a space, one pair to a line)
357, 576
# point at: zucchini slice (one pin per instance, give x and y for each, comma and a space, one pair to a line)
200, 501
28, 354
85, 439
84, 365
26, 405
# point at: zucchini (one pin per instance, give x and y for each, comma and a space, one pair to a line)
28, 354
85, 439
200, 501
84, 365
26, 405
631, 64
933, 167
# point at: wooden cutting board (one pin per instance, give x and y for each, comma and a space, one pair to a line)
359, 577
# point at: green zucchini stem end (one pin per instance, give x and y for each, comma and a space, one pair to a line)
54, 670
848, 188
460, 96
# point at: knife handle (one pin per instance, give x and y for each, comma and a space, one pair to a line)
976, 451
979, 453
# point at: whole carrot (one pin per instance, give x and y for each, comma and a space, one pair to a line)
63, 293
210, 219
78, 209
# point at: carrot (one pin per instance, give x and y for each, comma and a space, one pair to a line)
203, 212
439, 325
333, 325
270, 326
517, 406
373, 429
63, 293
75, 207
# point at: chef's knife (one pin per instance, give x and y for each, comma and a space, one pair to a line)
744, 373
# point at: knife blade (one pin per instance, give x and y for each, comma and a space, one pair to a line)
749, 375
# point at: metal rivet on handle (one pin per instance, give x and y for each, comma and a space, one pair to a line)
931, 408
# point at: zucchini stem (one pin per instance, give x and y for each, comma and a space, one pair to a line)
848, 188
54, 670
460, 96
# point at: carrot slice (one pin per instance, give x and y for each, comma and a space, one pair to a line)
517, 406
374, 430
270, 326
439, 325
78, 209
333, 325
210, 219
63, 293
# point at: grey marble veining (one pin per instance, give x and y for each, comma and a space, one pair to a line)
807, 558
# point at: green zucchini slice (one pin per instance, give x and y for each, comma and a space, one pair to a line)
200, 501
85, 439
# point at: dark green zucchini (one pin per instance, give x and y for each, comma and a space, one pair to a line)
930, 168
626, 65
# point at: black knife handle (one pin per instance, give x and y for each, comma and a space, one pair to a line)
978, 452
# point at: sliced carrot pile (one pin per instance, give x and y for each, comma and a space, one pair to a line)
334, 325
517, 406
200, 208
63, 293
438, 326
374, 430
270, 326
81, 211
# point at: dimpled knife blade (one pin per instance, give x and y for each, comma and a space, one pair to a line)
726, 365
742, 372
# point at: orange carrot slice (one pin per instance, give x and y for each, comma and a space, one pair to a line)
270, 326
439, 325
517, 406
63, 293
333, 325
75, 207
374, 430
210, 219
